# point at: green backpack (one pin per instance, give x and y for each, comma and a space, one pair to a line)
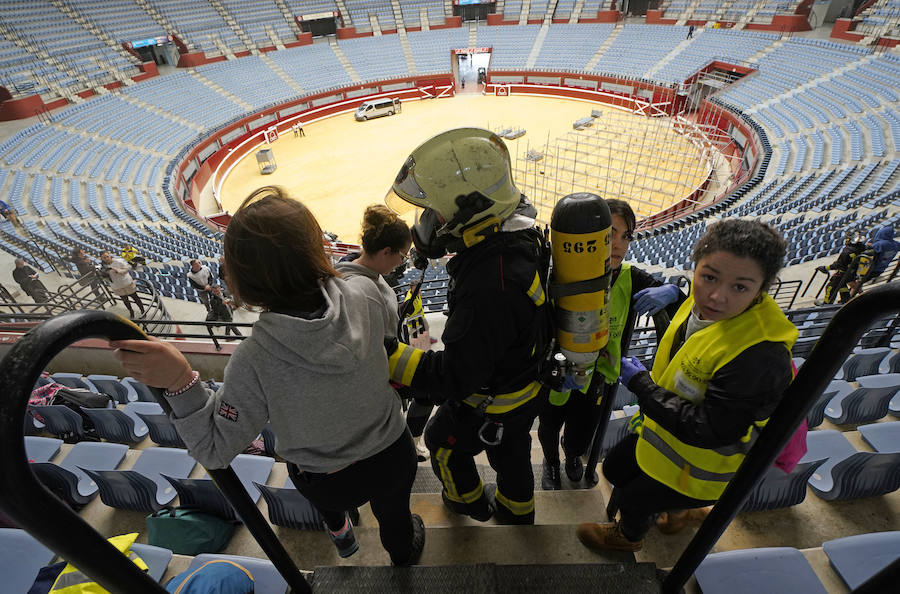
188, 531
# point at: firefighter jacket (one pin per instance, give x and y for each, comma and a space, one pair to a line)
497, 329
679, 459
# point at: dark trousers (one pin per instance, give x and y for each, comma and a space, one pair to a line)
578, 416
384, 480
137, 301
639, 497
452, 437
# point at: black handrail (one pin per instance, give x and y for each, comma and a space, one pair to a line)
31, 505
832, 349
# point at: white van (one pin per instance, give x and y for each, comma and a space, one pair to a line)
377, 108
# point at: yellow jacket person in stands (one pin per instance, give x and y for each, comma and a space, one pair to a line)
498, 324
720, 370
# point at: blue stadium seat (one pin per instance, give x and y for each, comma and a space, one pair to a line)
156, 558
68, 479
143, 392
857, 558
779, 489
120, 426
21, 558
110, 384
846, 473
41, 449
837, 389
143, 488
59, 420
867, 403
203, 494
776, 569
162, 431
883, 437
289, 508
864, 362
74, 380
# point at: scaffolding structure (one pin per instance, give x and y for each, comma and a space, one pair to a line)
651, 162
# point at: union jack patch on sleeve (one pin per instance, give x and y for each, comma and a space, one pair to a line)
227, 411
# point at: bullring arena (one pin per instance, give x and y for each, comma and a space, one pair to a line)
139, 122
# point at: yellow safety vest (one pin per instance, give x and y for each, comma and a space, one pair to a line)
72, 581
703, 473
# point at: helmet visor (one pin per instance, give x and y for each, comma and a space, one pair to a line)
406, 191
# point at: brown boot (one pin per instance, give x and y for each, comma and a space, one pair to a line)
606, 537
674, 522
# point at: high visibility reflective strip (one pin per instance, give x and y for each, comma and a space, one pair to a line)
403, 363
68, 579
536, 290
742, 447
442, 456
505, 402
519, 508
675, 458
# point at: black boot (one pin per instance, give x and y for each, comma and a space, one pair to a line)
574, 468
481, 509
550, 480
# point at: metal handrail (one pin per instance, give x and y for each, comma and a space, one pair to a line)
832, 349
34, 507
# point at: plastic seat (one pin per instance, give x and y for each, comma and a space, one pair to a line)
857, 558
41, 449
156, 558
162, 431
120, 426
779, 489
883, 437
846, 473
750, 571
143, 488
21, 558
143, 392
616, 431
867, 403
266, 579
289, 508
60, 420
68, 479
835, 389
110, 384
73, 380
203, 494
864, 362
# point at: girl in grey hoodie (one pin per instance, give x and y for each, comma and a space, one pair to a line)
314, 367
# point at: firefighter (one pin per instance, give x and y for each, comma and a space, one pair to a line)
845, 271
498, 326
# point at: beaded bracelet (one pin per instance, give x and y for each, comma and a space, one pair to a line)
195, 377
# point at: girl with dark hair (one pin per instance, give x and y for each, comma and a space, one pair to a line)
314, 367
631, 287
720, 370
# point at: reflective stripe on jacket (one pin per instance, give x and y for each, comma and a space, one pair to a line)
703, 473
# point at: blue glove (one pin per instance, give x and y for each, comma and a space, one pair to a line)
653, 299
630, 366
569, 384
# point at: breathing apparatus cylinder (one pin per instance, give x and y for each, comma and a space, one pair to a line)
579, 237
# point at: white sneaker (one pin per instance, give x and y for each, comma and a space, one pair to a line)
422, 452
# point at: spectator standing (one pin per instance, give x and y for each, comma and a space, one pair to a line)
117, 271
88, 272
220, 311
201, 278
315, 367
690, 34
29, 281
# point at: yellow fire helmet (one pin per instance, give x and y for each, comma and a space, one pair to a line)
464, 175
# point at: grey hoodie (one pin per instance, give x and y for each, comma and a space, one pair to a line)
322, 383
351, 269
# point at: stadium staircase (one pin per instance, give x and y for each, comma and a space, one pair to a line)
160, 18
473, 34
538, 44
281, 73
233, 24
220, 89
672, 54
345, 14
288, 16
342, 58
603, 47
576, 12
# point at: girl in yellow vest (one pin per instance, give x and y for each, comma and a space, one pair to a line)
631, 288
720, 370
